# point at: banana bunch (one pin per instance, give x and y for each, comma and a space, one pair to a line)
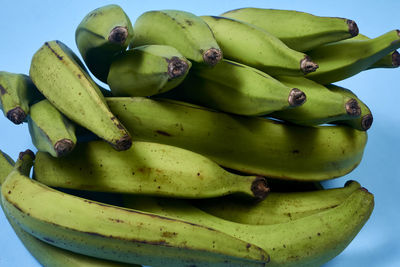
206, 147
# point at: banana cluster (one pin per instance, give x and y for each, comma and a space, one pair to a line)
207, 148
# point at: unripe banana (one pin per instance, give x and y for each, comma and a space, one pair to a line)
49, 129
298, 30
277, 207
46, 254
341, 60
147, 70
255, 47
114, 233
148, 169
236, 88
103, 33
309, 241
322, 105
185, 31
17, 93
250, 144
61, 77
362, 123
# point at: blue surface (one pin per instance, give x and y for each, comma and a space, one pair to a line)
26, 25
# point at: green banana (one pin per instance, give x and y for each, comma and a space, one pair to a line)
309, 241
249, 144
147, 70
180, 29
44, 253
255, 47
343, 59
298, 30
17, 93
120, 234
236, 88
362, 123
322, 106
277, 207
61, 77
49, 129
148, 168
103, 33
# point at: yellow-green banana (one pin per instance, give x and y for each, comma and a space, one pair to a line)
50, 130
103, 33
309, 241
147, 70
255, 47
340, 60
249, 144
236, 88
362, 123
298, 30
125, 235
180, 29
61, 77
322, 105
277, 207
148, 169
46, 254
17, 93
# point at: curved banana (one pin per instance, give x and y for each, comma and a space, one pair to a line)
322, 105
341, 60
309, 241
362, 123
300, 31
236, 88
249, 144
277, 207
103, 33
148, 168
49, 129
183, 30
115, 233
147, 70
46, 254
255, 47
17, 93
62, 78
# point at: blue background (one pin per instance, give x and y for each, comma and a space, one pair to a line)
26, 25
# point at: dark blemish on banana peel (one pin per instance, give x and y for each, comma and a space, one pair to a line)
52, 50
163, 133
3, 91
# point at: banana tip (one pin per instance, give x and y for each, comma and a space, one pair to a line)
63, 147
212, 56
17, 115
353, 108
395, 59
177, 67
353, 28
26, 152
118, 35
260, 188
123, 144
296, 97
366, 121
307, 66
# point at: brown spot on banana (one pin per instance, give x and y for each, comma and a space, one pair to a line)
307, 65
353, 108
296, 97
176, 67
366, 121
212, 56
52, 50
17, 115
118, 35
163, 133
260, 188
353, 28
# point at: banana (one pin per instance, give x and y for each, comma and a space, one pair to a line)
103, 33
46, 254
49, 129
252, 145
120, 234
343, 59
147, 70
148, 168
300, 31
236, 88
309, 241
322, 106
255, 47
17, 93
183, 30
362, 123
277, 207
62, 78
